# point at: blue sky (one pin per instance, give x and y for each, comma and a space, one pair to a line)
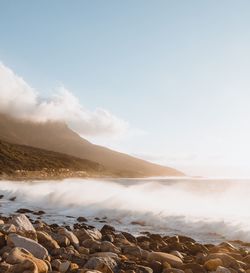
176, 71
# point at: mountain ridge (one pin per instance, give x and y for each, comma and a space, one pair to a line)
58, 137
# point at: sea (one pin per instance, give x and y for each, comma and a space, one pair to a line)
206, 209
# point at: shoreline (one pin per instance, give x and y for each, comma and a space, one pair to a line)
38, 247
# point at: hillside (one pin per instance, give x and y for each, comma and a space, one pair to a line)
16, 159
58, 137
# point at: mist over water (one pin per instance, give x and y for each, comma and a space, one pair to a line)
208, 210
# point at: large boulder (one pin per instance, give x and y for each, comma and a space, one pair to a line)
221, 269
226, 259
165, 257
23, 261
61, 266
21, 222
70, 235
212, 264
47, 241
32, 246
103, 264
84, 234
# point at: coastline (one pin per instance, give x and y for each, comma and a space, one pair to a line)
38, 247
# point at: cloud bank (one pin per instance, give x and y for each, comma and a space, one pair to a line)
20, 100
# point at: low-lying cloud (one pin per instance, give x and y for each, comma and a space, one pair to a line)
20, 100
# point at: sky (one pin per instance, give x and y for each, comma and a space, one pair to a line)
167, 81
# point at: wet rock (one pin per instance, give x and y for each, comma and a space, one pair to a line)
107, 229
32, 246
21, 222
40, 212
7, 228
82, 219
138, 223
23, 210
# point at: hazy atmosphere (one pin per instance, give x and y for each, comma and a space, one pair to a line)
166, 81
124, 136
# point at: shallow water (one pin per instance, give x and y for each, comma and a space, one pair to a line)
208, 210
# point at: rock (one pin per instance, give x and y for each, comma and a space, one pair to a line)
177, 254
83, 250
82, 219
2, 240
70, 235
23, 261
246, 259
61, 266
143, 269
23, 210
7, 228
226, 259
194, 267
129, 237
84, 234
21, 222
47, 241
88, 271
62, 240
109, 247
92, 245
132, 250
173, 270
221, 269
212, 264
156, 266
32, 246
165, 257
106, 254
103, 264
107, 229
4, 267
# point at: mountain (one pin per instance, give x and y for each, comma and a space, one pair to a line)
16, 159
58, 137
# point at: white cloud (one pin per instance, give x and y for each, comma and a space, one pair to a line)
20, 100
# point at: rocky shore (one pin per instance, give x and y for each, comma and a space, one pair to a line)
32, 246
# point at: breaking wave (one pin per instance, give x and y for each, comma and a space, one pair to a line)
204, 209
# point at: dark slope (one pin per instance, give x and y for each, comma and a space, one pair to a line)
59, 138
15, 157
